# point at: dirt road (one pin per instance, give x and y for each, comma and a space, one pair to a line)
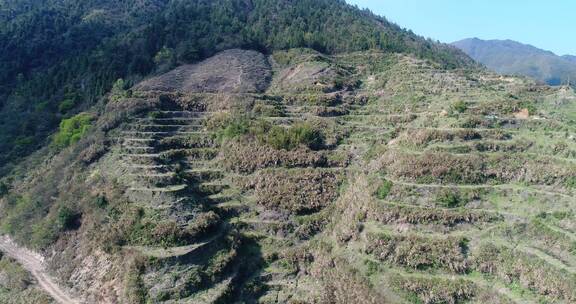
34, 264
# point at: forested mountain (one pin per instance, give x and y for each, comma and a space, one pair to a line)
514, 58
58, 57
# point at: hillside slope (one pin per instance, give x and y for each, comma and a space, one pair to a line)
222, 152
513, 58
59, 57
362, 177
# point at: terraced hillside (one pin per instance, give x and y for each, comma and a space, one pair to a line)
305, 178
461, 195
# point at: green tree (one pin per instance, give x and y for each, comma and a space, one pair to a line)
71, 99
164, 56
72, 130
66, 218
119, 90
3, 189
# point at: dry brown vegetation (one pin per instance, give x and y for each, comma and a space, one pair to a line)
431, 290
514, 266
342, 283
295, 191
419, 215
476, 168
423, 137
247, 157
419, 252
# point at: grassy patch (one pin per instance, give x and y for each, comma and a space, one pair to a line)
384, 189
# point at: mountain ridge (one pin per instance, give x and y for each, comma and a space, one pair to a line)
515, 58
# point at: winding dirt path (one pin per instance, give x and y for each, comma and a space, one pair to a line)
34, 263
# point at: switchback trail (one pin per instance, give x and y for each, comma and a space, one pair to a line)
33, 263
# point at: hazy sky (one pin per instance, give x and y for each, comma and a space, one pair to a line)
547, 24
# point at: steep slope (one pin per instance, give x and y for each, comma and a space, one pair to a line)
363, 177
59, 57
513, 58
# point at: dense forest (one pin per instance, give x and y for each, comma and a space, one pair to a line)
57, 57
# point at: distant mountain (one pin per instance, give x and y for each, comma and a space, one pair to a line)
570, 58
511, 57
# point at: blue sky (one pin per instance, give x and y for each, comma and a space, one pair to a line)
547, 24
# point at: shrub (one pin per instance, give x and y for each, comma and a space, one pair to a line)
100, 202
66, 105
449, 199
384, 189
270, 111
236, 127
72, 130
219, 262
279, 138
420, 215
246, 157
571, 182
289, 139
530, 107
439, 167
67, 218
44, 233
165, 55
154, 114
23, 143
204, 223
119, 90
18, 212
371, 267
459, 107
135, 290
3, 189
